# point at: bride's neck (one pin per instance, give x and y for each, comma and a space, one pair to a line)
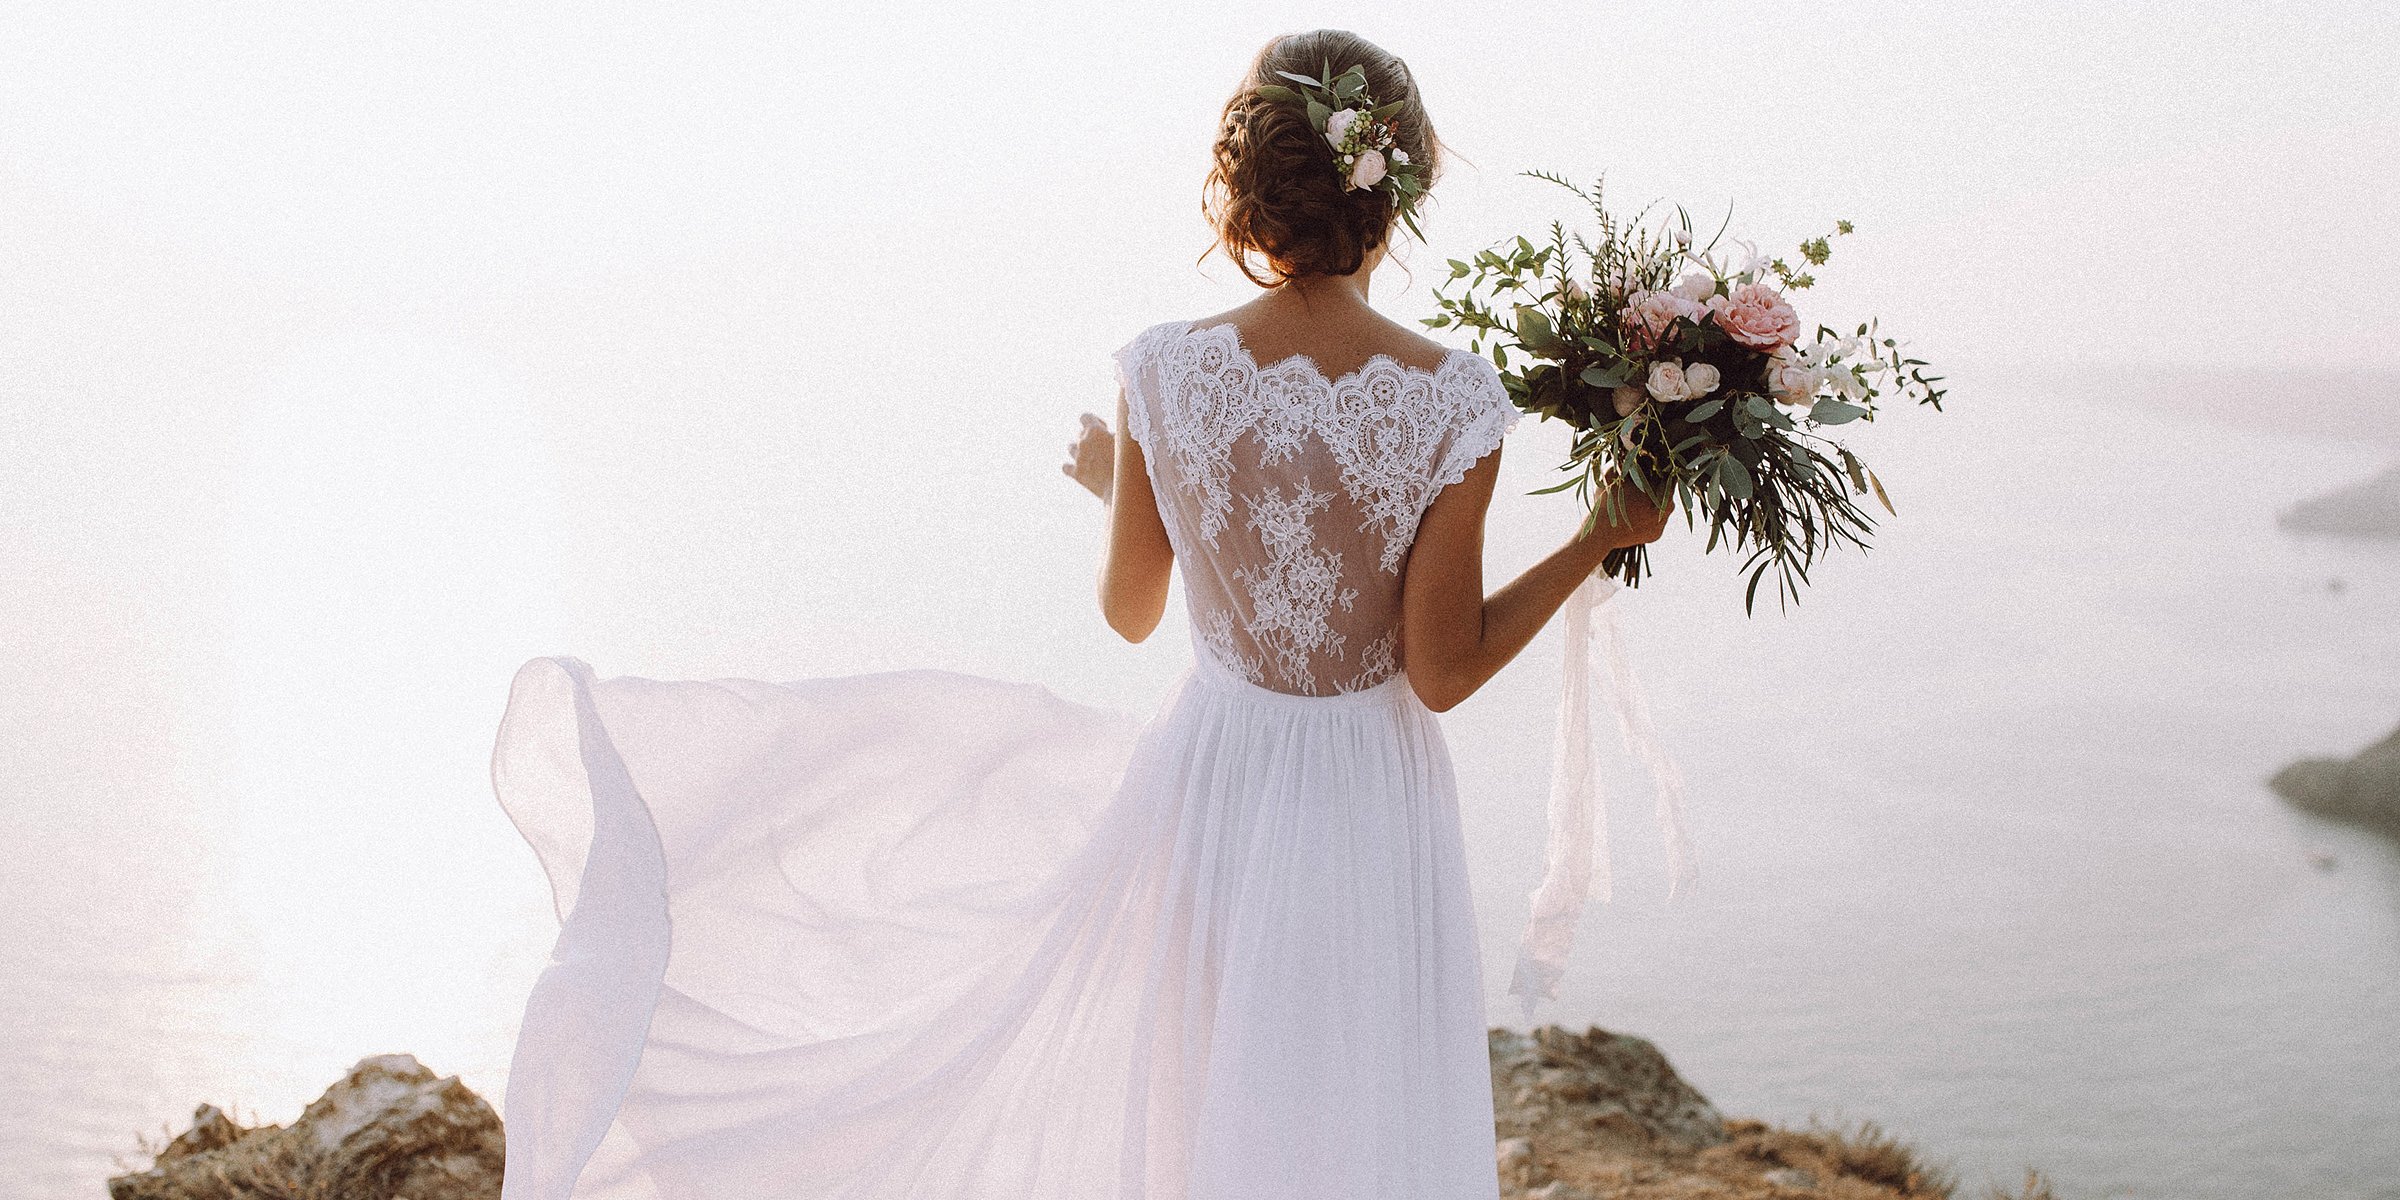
1317, 292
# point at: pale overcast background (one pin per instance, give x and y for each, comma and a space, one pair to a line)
352, 354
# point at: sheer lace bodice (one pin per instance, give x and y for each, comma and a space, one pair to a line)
1292, 498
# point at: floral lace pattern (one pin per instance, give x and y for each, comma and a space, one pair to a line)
1293, 595
1376, 663
1274, 595
1216, 633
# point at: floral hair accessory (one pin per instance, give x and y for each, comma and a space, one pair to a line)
1362, 139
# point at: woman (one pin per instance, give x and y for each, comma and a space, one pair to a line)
926, 935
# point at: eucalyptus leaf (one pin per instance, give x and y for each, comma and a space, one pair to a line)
1604, 377
1835, 412
1278, 92
1733, 477
1533, 329
1704, 410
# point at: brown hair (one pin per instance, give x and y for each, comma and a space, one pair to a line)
1273, 188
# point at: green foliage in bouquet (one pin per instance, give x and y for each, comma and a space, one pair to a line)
1686, 377
1365, 147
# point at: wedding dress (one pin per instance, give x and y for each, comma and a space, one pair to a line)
926, 935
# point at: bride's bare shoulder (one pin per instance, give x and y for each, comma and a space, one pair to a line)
1420, 349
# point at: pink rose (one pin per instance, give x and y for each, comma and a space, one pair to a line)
1626, 397
1649, 313
1756, 316
1368, 170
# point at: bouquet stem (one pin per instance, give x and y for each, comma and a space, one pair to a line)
1627, 564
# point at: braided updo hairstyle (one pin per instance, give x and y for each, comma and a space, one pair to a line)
1273, 188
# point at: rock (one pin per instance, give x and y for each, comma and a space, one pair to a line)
2369, 508
1516, 1162
1596, 1114
388, 1130
1562, 1085
2364, 789
211, 1130
1558, 1191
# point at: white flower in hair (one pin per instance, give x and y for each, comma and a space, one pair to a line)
1368, 170
1365, 155
1337, 126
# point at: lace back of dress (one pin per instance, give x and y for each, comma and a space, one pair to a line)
1292, 498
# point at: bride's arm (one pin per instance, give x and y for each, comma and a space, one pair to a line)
1454, 637
1135, 572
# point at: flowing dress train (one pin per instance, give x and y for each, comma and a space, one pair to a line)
927, 935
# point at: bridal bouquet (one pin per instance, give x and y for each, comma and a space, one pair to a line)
1687, 374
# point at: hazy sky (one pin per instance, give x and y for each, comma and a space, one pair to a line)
2149, 182
353, 353
335, 326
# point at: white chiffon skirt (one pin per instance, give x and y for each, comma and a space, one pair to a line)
933, 936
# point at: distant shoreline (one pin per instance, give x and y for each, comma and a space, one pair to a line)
2358, 404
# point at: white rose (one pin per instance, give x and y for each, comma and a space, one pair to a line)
1626, 398
1338, 124
1792, 380
1700, 379
1368, 170
1667, 382
1697, 287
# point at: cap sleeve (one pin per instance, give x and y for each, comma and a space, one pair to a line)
1133, 360
1484, 412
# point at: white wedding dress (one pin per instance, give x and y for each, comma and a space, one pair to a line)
931, 936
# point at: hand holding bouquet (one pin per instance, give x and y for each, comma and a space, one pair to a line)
1688, 376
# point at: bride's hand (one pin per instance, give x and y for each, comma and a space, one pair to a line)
1092, 457
1639, 520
